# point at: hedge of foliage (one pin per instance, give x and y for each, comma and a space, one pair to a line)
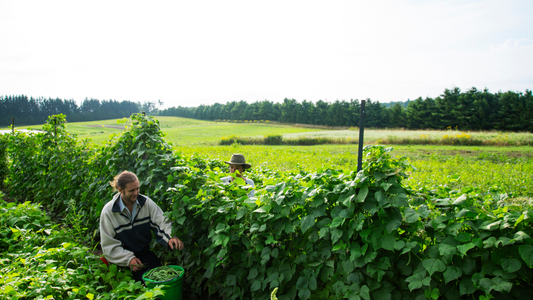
324, 235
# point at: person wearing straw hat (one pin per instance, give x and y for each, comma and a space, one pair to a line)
237, 166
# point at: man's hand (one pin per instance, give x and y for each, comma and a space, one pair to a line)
175, 243
135, 264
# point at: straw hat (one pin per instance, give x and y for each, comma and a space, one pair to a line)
238, 159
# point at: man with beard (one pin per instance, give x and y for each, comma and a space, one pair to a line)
126, 226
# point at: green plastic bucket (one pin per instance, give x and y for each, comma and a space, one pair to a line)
172, 288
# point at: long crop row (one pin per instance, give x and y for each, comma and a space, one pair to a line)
312, 235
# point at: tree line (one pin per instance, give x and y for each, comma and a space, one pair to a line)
470, 110
31, 111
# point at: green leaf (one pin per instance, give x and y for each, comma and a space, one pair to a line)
307, 222
265, 255
9, 289
302, 283
347, 197
240, 181
304, 294
231, 280
466, 286
254, 227
432, 294
270, 240
433, 265
400, 200
398, 245
312, 282
347, 266
365, 233
255, 286
526, 252
393, 225
363, 192
252, 274
511, 265
500, 285
336, 234
181, 220
415, 281
451, 273
336, 222
388, 241
170, 178
324, 232
364, 292
241, 213
285, 211
491, 225
382, 199
446, 249
464, 248
520, 236
385, 186
463, 237
301, 258
520, 219
460, 201
410, 215
462, 213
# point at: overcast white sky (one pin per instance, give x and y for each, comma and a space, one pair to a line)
200, 52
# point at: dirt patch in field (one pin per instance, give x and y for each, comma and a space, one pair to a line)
108, 126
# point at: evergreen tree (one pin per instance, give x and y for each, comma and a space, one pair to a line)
397, 116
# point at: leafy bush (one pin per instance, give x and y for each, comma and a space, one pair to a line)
361, 235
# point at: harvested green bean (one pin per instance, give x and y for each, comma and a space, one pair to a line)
163, 273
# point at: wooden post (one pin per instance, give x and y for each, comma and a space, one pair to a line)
13, 124
361, 136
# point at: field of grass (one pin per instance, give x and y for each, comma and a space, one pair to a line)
455, 166
190, 132
181, 131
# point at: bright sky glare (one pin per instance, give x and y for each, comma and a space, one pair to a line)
200, 52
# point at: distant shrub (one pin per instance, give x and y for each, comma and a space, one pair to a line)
273, 139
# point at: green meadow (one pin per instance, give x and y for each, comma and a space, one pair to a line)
182, 131
506, 168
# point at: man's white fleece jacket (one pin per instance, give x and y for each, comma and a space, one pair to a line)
121, 239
